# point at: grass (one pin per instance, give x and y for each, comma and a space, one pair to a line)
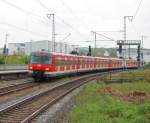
93, 107
128, 86
137, 75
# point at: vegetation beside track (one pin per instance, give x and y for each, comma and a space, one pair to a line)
147, 66
125, 98
14, 59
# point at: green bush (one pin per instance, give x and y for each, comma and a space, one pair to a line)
1, 59
14, 59
147, 66
17, 59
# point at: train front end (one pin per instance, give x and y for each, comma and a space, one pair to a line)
40, 62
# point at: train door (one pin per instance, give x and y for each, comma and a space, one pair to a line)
83, 63
61, 62
79, 63
110, 63
67, 62
72, 62
99, 63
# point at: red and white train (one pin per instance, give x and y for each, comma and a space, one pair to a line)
45, 64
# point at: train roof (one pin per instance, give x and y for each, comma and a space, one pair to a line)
54, 53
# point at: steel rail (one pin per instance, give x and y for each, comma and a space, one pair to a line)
28, 101
44, 107
16, 87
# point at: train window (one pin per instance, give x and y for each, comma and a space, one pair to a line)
58, 61
40, 58
62, 62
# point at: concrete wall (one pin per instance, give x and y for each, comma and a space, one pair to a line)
13, 67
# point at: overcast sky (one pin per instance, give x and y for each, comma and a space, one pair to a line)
26, 20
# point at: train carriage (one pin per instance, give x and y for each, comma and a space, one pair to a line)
45, 64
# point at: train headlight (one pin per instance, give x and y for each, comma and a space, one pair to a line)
47, 68
30, 67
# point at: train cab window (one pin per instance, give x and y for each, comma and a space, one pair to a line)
40, 58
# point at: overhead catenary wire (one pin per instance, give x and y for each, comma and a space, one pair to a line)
23, 10
28, 12
75, 16
134, 16
32, 13
111, 31
62, 20
23, 29
137, 10
104, 36
134, 28
94, 40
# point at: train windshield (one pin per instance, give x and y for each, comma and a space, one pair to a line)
40, 58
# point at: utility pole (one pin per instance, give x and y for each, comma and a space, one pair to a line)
65, 48
130, 18
61, 44
31, 46
142, 51
125, 28
65, 37
53, 31
5, 47
95, 37
95, 40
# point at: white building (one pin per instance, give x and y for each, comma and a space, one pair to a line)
46, 45
16, 48
33, 46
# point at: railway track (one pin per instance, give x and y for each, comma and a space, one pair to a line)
26, 110
16, 87
18, 91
